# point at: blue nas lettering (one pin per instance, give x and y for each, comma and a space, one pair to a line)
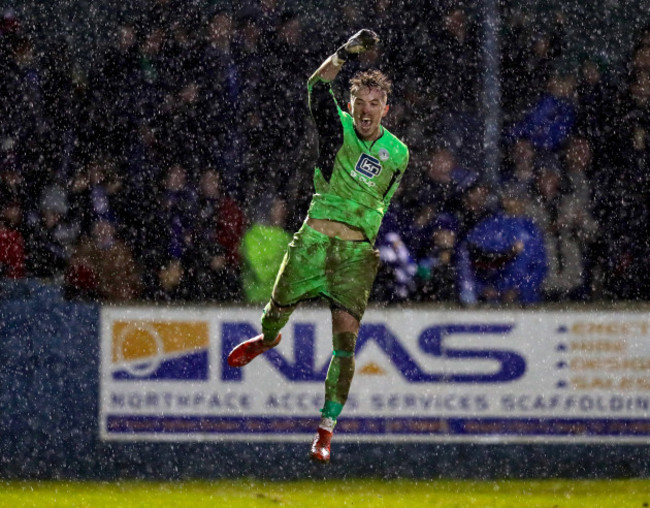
511, 365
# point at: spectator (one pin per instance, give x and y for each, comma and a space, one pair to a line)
577, 161
50, 238
530, 53
503, 259
169, 281
456, 58
181, 50
213, 257
218, 81
184, 124
116, 82
168, 238
398, 55
520, 164
594, 97
246, 50
551, 119
285, 105
182, 83
443, 183
94, 193
516, 61
568, 229
57, 88
102, 267
629, 193
170, 234
248, 55
12, 182
80, 134
477, 203
12, 241
153, 80
455, 68
23, 118
437, 273
143, 173
395, 280
262, 250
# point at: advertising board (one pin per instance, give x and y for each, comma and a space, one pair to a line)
421, 375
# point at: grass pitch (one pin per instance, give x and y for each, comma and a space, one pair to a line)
330, 493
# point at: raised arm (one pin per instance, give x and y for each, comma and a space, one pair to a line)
360, 42
323, 108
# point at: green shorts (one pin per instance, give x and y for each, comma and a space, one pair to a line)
317, 265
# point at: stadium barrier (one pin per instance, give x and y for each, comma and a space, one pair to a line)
92, 392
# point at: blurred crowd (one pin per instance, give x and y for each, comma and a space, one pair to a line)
175, 166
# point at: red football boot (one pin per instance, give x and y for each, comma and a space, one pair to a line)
243, 353
320, 448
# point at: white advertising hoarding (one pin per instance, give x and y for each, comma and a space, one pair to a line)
421, 375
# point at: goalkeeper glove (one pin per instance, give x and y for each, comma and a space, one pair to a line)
360, 42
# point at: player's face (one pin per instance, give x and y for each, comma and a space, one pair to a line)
367, 108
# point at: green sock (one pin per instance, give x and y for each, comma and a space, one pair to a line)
331, 410
339, 375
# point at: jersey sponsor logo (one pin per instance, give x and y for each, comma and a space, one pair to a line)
368, 166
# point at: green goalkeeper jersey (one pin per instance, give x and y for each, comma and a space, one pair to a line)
357, 185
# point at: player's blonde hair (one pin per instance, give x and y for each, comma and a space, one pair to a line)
372, 78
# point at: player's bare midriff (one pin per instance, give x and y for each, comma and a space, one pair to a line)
336, 229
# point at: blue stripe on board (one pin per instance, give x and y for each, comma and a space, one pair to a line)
381, 426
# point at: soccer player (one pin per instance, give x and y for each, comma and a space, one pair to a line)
332, 255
